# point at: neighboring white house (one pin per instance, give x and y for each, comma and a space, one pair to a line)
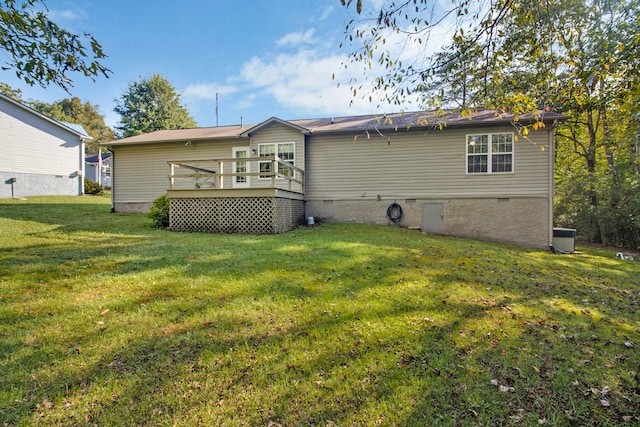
473, 176
40, 156
92, 165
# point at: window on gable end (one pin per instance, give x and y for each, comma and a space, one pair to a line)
284, 150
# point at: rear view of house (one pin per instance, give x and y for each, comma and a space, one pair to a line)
474, 176
40, 156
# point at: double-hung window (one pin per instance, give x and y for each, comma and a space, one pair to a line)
490, 153
284, 150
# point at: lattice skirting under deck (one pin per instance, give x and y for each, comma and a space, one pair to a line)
246, 215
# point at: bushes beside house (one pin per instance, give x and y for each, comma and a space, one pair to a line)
159, 212
91, 187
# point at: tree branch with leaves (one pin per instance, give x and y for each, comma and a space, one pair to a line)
43, 53
577, 57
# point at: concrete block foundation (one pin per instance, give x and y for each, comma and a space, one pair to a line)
520, 221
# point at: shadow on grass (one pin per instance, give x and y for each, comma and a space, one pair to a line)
340, 324
69, 217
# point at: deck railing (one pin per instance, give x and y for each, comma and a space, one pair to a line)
244, 172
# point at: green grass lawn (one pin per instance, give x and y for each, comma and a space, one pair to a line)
107, 321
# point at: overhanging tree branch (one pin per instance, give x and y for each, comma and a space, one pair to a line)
41, 52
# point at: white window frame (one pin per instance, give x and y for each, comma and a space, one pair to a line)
237, 181
275, 145
490, 154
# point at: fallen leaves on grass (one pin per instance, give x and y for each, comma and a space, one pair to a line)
502, 388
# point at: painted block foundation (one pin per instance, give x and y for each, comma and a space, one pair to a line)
29, 184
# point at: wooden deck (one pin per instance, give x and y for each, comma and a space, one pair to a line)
223, 196
247, 172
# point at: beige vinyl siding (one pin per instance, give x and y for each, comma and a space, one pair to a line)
141, 172
277, 133
420, 164
33, 145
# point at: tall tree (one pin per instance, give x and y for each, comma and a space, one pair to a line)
579, 57
504, 53
400, 55
149, 105
73, 110
40, 51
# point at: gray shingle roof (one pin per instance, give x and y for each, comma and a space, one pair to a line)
396, 121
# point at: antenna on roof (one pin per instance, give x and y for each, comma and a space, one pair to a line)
216, 109
241, 126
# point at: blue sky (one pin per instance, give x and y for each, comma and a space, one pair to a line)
263, 57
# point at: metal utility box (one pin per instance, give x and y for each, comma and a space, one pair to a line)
564, 240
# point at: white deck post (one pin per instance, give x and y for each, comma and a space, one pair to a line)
274, 170
220, 174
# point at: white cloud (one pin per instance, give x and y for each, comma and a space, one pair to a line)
376, 5
303, 82
67, 15
247, 102
312, 80
328, 11
298, 38
207, 91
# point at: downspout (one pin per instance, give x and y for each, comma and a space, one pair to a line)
552, 174
113, 181
82, 168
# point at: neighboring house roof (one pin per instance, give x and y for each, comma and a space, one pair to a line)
396, 121
78, 129
92, 159
74, 128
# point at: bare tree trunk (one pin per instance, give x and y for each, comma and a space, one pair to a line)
607, 138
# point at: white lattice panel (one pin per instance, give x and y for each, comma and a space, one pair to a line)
246, 215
